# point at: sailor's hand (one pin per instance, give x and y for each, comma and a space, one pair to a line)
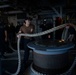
31, 29
70, 24
18, 36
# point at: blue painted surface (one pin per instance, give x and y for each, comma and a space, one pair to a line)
50, 50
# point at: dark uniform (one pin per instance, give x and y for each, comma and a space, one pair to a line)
72, 32
2, 38
46, 27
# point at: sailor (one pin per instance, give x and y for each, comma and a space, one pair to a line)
26, 28
3, 38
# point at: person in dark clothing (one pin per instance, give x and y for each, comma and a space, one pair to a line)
10, 37
45, 26
27, 28
71, 32
11, 33
3, 38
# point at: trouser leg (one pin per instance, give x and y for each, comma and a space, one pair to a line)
26, 50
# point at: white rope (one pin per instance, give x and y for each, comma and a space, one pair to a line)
32, 35
70, 70
46, 32
19, 60
65, 34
